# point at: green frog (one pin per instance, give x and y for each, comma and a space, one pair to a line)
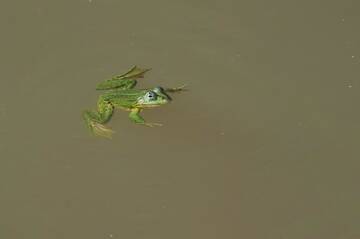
120, 93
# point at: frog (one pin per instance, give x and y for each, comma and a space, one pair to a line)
119, 92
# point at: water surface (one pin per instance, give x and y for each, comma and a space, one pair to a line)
263, 145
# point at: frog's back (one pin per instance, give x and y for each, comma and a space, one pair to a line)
123, 98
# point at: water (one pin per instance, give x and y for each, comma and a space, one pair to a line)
263, 145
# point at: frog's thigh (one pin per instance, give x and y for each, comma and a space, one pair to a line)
105, 110
129, 84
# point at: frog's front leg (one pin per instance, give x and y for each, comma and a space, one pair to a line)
175, 89
136, 118
95, 120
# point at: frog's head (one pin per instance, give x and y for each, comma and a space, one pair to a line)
153, 97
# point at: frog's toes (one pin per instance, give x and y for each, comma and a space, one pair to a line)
177, 89
153, 124
101, 130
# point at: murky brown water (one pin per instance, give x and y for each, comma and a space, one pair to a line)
264, 145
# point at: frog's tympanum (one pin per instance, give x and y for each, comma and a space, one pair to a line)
120, 93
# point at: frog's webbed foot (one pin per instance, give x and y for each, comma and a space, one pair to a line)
176, 89
152, 124
100, 130
95, 120
124, 81
134, 73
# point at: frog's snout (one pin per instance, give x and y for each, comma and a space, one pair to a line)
161, 92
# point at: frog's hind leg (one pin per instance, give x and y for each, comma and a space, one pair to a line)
117, 84
95, 120
124, 81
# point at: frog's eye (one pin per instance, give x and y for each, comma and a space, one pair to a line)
150, 96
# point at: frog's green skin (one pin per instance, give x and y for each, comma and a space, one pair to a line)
121, 94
